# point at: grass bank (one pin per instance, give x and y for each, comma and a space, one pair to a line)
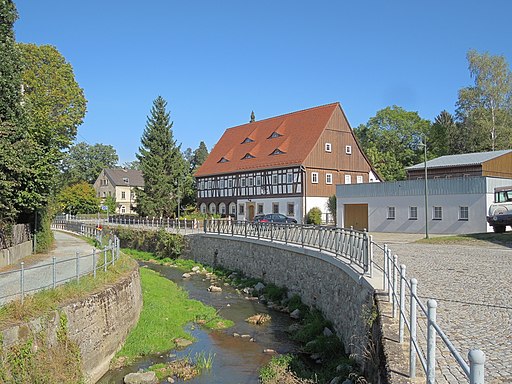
166, 310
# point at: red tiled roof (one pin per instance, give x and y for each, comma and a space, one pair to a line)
299, 132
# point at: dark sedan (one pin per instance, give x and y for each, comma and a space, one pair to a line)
273, 218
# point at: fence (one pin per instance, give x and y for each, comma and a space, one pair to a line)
25, 280
402, 295
358, 249
348, 244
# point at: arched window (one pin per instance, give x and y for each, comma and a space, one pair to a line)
222, 208
212, 208
203, 208
232, 209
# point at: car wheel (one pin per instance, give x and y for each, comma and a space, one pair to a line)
499, 228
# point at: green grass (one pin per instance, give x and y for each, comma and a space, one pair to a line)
150, 256
167, 309
473, 238
44, 302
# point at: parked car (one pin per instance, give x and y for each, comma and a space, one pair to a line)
273, 218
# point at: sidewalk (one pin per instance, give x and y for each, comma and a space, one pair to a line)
38, 268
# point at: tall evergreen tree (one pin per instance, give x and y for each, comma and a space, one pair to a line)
161, 163
199, 156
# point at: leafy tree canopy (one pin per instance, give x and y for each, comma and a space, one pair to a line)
485, 109
84, 162
78, 198
391, 140
56, 102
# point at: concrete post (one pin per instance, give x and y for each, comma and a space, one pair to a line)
476, 366
94, 262
105, 259
431, 341
385, 272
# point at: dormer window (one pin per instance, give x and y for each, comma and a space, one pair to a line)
248, 156
223, 160
277, 151
126, 180
247, 140
274, 135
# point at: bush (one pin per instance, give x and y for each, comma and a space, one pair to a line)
314, 216
162, 243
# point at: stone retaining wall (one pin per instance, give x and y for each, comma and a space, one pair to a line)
99, 324
321, 281
12, 254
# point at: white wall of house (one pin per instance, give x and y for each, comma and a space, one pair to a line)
451, 197
268, 207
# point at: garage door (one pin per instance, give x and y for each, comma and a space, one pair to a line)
356, 215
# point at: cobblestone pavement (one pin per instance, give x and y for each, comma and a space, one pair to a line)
472, 285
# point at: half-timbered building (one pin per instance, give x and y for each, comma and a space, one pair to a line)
285, 164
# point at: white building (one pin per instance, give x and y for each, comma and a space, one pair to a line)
455, 205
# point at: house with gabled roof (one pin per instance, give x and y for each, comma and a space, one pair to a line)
285, 164
120, 183
493, 164
455, 198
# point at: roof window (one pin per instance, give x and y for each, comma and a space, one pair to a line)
223, 160
247, 140
248, 156
277, 151
274, 135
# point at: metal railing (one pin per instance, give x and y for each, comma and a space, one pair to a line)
359, 250
348, 244
402, 295
16, 284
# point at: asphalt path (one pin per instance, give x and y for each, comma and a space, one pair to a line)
39, 274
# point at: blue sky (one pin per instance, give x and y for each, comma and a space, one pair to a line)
216, 61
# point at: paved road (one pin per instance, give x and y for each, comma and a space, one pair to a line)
39, 275
471, 284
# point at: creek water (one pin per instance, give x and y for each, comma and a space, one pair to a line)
237, 360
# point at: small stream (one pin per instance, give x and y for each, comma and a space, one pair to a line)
237, 360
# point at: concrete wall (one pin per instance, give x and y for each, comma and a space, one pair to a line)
321, 281
99, 324
11, 255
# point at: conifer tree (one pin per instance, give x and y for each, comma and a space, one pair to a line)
161, 163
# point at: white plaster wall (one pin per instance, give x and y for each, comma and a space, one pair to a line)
450, 223
267, 206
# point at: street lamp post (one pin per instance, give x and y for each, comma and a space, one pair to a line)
426, 186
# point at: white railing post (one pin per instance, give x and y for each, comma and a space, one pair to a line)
389, 279
395, 284
412, 331
476, 366
431, 341
370, 253
105, 259
401, 314
385, 268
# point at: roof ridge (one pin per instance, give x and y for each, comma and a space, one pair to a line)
287, 114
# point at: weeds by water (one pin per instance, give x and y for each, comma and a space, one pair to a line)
166, 310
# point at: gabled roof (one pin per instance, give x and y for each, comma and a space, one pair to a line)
293, 135
460, 160
121, 176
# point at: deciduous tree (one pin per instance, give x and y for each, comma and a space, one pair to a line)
390, 140
84, 162
485, 109
78, 198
